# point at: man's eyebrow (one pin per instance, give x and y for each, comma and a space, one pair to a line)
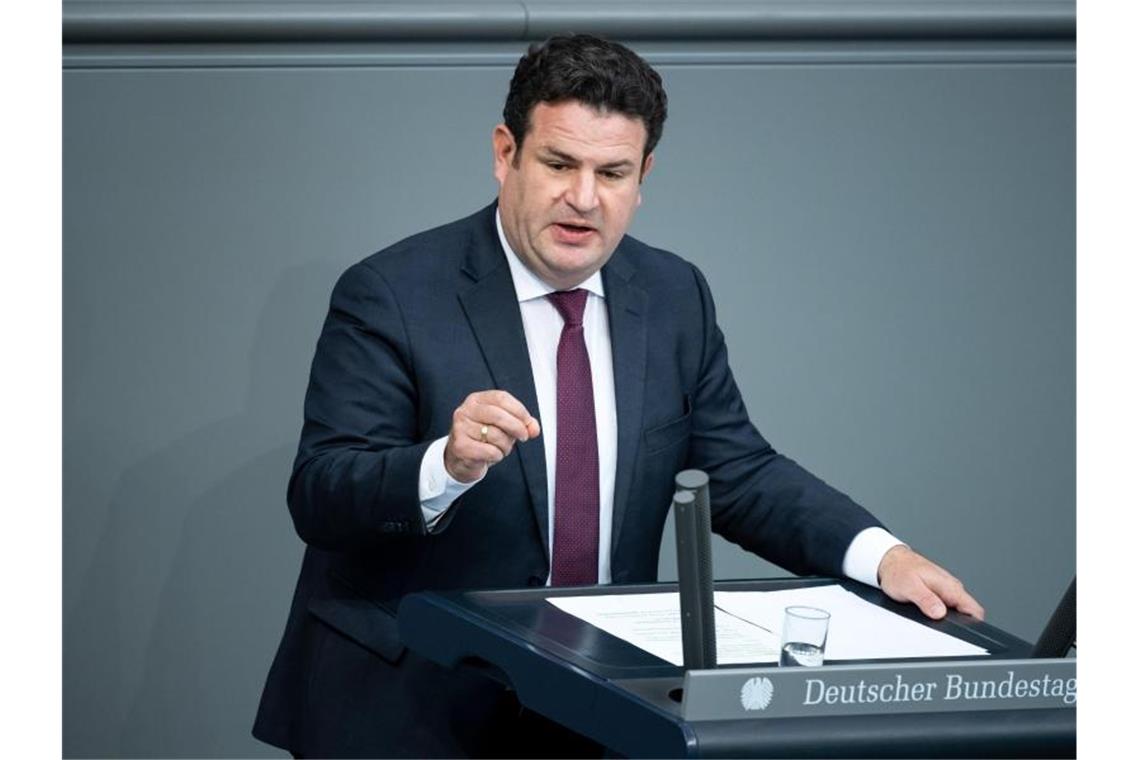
554, 153
549, 152
625, 163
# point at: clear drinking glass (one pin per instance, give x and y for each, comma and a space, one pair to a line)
805, 636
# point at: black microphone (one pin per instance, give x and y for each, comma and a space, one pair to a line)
694, 569
1060, 634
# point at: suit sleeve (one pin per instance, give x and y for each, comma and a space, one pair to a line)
760, 499
355, 480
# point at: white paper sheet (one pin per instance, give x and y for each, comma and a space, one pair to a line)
653, 623
748, 625
858, 630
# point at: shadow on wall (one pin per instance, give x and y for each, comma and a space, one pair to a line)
187, 595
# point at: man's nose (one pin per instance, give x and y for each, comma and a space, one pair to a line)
582, 194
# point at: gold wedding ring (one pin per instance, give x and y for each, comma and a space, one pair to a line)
483, 433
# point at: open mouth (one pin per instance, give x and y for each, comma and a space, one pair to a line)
572, 234
576, 229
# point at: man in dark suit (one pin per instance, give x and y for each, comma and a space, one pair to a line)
503, 402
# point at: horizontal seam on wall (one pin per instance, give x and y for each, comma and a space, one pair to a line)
96, 21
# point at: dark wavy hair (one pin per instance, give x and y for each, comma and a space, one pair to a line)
593, 71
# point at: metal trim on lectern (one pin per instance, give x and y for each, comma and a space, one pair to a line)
880, 688
631, 701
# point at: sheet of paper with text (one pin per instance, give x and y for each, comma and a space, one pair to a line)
748, 625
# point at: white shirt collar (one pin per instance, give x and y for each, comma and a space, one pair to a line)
528, 285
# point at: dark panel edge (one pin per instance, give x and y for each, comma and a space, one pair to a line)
256, 21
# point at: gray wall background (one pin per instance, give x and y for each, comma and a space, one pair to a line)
883, 205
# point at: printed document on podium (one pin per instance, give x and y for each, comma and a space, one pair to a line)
748, 625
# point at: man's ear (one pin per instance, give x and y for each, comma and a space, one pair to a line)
646, 167
503, 147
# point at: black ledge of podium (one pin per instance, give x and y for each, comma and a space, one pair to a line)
629, 700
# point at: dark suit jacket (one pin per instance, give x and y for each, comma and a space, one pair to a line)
410, 332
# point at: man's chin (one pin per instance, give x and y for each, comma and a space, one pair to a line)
567, 274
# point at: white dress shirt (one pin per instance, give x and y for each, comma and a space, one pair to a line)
543, 327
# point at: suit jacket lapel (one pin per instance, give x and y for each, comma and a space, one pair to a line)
627, 308
491, 306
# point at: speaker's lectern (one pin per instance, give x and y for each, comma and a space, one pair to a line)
632, 702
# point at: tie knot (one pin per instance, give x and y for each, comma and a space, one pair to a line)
570, 304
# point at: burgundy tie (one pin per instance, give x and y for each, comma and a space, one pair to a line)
575, 560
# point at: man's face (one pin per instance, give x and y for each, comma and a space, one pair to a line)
568, 196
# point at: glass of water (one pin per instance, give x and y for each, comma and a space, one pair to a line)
805, 636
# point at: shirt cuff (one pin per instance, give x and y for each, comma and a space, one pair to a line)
437, 488
861, 562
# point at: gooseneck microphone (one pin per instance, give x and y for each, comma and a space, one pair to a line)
694, 569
